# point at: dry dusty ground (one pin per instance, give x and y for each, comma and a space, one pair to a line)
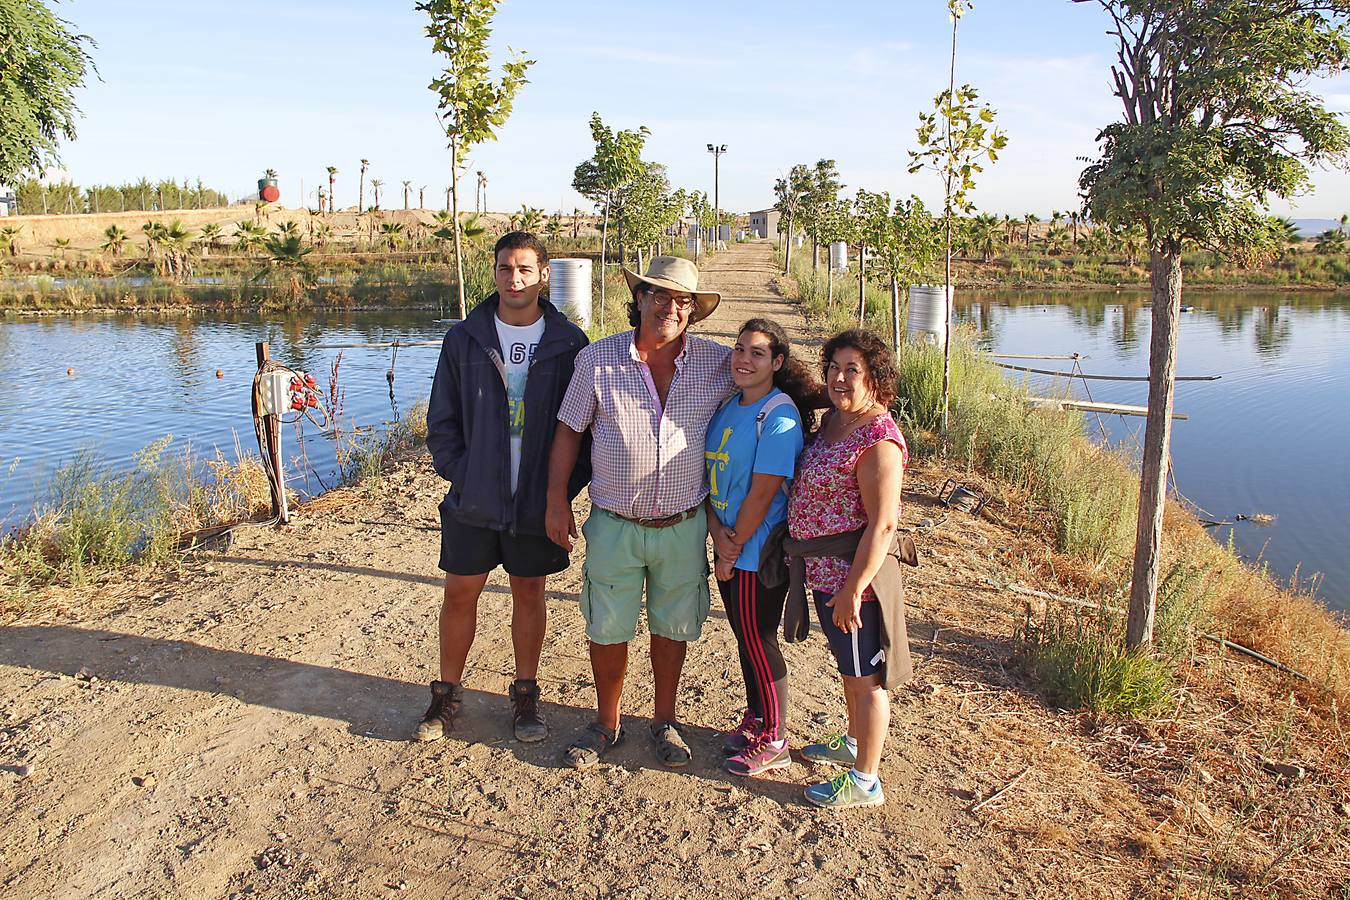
239, 727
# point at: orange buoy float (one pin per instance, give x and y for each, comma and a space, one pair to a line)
219, 373
70, 371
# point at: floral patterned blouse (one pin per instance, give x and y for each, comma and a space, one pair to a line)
826, 498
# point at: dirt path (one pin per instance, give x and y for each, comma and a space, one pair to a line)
239, 727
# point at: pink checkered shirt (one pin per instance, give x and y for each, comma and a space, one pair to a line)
646, 462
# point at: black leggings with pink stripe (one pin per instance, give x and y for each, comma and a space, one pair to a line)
755, 612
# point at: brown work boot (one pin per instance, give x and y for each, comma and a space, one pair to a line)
446, 697
525, 718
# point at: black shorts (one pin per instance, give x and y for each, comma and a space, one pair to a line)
470, 550
858, 652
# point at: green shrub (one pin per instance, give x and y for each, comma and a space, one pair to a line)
1079, 661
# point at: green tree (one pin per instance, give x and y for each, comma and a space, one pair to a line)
472, 105
955, 140
114, 241
391, 233
617, 161
1330, 241
986, 235
791, 193
375, 185
44, 64
1218, 117
822, 194
286, 253
9, 234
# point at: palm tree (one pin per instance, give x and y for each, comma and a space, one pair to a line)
61, 245
1286, 234
422, 197
114, 241
478, 194
177, 242
554, 226
248, 234
407, 185
1030, 219
1331, 241
377, 184
210, 235
332, 174
986, 233
576, 221
361, 189
390, 232
288, 227
482, 186
322, 233
10, 235
153, 231
287, 252
1056, 238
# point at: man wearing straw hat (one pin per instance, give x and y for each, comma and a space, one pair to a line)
646, 397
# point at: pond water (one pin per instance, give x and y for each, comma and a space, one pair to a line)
1269, 437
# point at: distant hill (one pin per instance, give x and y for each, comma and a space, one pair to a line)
1313, 227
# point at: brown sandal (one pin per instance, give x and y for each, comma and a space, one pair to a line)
593, 743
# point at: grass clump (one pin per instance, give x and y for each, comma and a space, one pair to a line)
1080, 662
92, 520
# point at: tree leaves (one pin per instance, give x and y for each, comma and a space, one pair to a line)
42, 63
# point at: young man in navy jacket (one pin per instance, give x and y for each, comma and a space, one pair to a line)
494, 404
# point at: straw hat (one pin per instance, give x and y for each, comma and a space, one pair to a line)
675, 273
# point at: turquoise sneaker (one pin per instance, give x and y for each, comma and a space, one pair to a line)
843, 792
834, 750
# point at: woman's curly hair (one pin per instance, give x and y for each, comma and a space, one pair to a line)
882, 371
794, 377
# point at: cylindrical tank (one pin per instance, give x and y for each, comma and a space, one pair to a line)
838, 256
926, 321
268, 190
569, 288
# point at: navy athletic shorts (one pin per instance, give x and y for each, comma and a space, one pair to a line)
859, 652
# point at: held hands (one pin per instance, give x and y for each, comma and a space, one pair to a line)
725, 550
560, 524
847, 606
724, 544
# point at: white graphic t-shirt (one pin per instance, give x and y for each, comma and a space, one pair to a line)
518, 345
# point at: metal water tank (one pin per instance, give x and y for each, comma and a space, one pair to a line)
926, 321
569, 288
838, 257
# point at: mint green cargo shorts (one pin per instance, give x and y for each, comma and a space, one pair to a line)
622, 557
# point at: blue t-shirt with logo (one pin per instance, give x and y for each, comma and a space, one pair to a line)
733, 454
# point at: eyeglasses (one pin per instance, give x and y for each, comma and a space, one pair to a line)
665, 298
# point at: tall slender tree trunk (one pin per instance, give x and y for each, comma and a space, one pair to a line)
787, 265
454, 219
815, 254
1165, 279
895, 314
360, 193
604, 244
829, 291
862, 284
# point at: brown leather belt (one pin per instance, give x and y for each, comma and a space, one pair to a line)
664, 522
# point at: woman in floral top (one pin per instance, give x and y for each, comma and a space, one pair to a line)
848, 478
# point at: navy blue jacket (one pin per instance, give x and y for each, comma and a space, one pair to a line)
467, 429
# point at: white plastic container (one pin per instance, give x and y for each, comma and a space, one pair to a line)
926, 321
839, 257
569, 288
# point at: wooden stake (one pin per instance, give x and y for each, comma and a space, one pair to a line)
271, 446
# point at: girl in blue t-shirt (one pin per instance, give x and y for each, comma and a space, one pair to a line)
751, 452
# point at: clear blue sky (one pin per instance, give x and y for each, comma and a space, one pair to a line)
223, 90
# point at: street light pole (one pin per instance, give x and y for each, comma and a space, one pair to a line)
717, 151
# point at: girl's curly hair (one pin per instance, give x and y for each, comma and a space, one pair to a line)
882, 370
793, 377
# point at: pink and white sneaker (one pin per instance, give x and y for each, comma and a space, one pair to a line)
759, 757
744, 735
